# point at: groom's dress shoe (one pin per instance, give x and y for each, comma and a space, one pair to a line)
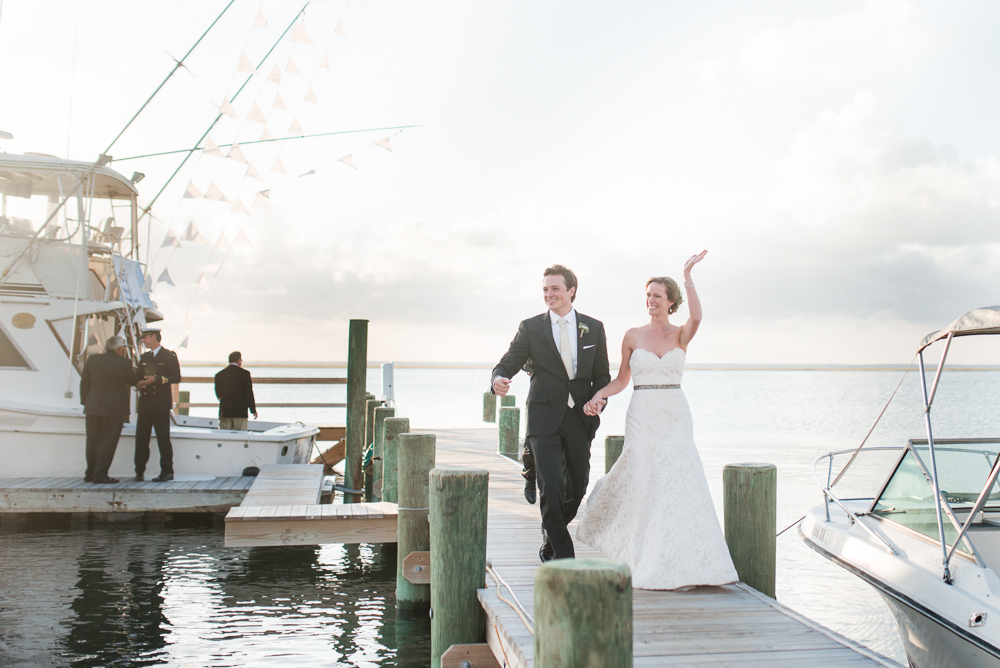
163, 477
530, 491
546, 553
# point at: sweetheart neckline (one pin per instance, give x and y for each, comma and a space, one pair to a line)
659, 357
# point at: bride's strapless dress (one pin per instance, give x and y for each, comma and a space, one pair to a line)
653, 510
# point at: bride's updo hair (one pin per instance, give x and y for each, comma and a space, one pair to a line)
673, 291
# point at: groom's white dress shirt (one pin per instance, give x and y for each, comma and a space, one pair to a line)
571, 330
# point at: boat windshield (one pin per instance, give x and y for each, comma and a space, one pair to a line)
963, 468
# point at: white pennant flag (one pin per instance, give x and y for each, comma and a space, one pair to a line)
300, 35
266, 135
261, 201
260, 21
192, 234
265, 193
246, 65
236, 153
325, 63
385, 144
214, 194
170, 240
238, 207
228, 109
256, 115
296, 129
192, 192
278, 167
275, 75
253, 173
184, 343
340, 30
204, 282
347, 160
290, 67
311, 97
278, 102
242, 238
165, 277
223, 242
211, 148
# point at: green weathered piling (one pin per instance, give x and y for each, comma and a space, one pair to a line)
371, 403
415, 453
612, 450
489, 407
394, 426
357, 368
378, 459
583, 614
750, 509
183, 397
510, 430
458, 557
508, 400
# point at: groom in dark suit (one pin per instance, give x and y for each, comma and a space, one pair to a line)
568, 356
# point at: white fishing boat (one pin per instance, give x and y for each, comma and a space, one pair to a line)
927, 539
69, 249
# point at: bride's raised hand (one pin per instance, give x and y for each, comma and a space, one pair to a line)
693, 260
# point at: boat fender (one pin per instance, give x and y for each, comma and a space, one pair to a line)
251, 471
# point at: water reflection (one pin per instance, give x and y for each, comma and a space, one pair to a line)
118, 596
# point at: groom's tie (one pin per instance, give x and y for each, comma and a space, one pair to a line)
566, 352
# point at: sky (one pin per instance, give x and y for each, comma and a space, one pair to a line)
839, 161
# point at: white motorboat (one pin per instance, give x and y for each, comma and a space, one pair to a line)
66, 286
928, 539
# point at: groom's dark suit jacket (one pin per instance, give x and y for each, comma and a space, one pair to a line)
550, 385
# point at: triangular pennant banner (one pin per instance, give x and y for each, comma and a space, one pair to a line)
213, 193
311, 97
211, 148
325, 63
347, 160
260, 21
385, 144
223, 242
300, 35
246, 65
278, 103
265, 193
296, 129
147, 283
275, 75
238, 207
192, 234
256, 115
290, 67
236, 153
261, 201
278, 167
266, 135
170, 240
184, 343
165, 277
204, 282
340, 30
228, 109
253, 173
242, 238
192, 192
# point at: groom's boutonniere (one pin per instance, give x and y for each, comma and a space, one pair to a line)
583, 329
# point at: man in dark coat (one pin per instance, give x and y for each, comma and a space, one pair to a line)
160, 369
234, 388
104, 393
567, 353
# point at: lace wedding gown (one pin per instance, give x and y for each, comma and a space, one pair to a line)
653, 510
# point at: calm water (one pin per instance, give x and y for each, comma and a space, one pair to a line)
175, 596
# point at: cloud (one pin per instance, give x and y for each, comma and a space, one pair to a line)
881, 34
710, 69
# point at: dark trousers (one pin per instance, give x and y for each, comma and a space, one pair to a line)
103, 432
562, 468
160, 421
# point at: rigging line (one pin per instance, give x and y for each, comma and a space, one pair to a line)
72, 80
212, 125
263, 141
854, 456
177, 65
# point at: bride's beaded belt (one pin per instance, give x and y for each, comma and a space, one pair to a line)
656, 387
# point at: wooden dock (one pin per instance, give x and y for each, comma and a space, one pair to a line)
709, 626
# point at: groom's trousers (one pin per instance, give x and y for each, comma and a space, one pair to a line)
562, 465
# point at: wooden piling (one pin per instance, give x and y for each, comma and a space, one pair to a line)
357, 369
415, 453
378, 457
510, 431
508, 400
489, 407
458, 512
583, 614
612, 450
750, 509
371, 403
394, 426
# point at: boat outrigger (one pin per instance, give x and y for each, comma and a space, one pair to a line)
928, 540
66, 285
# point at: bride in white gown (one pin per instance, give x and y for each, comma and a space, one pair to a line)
653, 510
